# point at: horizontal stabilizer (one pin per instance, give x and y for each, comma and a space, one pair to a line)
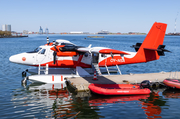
160, 50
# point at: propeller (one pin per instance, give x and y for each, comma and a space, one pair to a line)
112, 55
54, 56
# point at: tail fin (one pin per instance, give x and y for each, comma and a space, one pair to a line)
151, 48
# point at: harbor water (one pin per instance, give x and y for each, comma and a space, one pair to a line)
42, 101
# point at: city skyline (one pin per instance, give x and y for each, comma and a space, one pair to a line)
89, 16
7, 27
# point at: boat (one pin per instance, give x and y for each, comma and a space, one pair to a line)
100, 100
173, 83
95, 36
118, 89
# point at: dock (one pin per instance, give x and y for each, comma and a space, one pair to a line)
80, 84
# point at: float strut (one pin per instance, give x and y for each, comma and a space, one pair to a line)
24, 74
24, 81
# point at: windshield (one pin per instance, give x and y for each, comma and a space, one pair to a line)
36, 50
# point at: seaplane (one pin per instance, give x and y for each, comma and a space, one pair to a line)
74, 60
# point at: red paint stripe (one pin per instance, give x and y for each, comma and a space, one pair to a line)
61, 78
61, 85
52, 77
53, 87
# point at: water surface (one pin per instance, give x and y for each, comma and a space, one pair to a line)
55, 101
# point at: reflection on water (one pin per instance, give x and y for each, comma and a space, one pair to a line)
55, 101
149, 103
52, 100
171, 93
152, 105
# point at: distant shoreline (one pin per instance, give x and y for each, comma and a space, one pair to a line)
14, 36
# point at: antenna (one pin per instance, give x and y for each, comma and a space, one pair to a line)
47, 40
175, 23
47, 32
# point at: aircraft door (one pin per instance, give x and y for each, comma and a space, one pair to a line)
41, 55
95, 57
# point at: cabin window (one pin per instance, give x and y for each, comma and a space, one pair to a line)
103, 55
86, 54
95, 57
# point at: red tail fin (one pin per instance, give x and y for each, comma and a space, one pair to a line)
155, 37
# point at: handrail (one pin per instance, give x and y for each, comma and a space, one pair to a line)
118, 69
45, 71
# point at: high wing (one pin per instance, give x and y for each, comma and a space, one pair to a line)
63, 50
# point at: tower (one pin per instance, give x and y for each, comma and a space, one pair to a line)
175, 24
47, 30
40, 30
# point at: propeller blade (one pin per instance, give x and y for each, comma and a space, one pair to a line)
54, 57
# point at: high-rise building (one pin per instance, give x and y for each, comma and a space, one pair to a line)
6, 27
3, 27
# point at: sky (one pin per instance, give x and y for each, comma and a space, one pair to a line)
89, 15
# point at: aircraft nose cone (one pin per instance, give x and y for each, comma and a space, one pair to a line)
19, 58
23, 58
13, 59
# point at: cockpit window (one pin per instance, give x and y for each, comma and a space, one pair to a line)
42, 51
36, 50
